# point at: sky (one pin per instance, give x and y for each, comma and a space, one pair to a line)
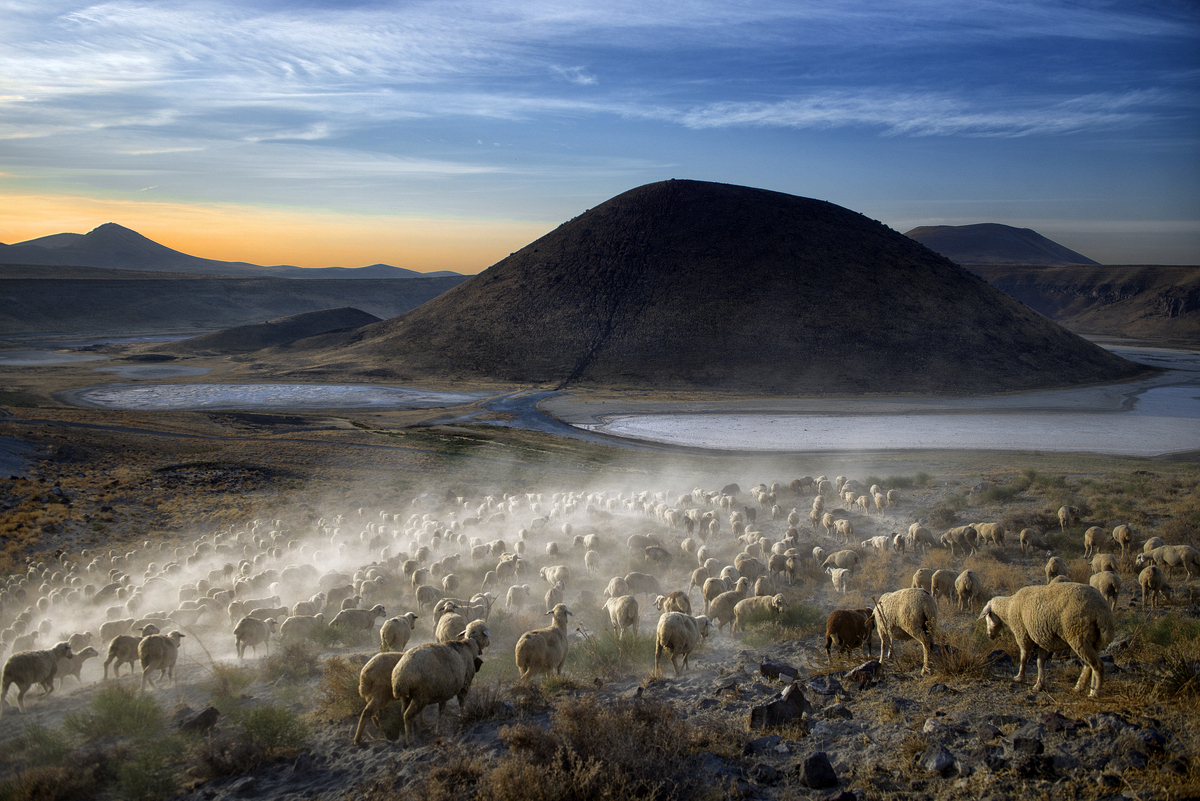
447, 134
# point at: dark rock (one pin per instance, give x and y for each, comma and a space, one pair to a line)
990, 756
303, 763
1179, 766
202, 722
901, 705
837, 711
761, 688
825, 685
865, 674
841, 795
985, 732
1109, 780
1153, 739
937, 759
1000, 661
788, 706
245, 786
1034, 766
941, 689
1027, 745
1053, 721
1030, 731
816, 772
708, 703
775, 670
1131, 760
761, 745
1109, 722
764, 774
1005, 719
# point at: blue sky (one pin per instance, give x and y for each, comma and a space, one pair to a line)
443, 135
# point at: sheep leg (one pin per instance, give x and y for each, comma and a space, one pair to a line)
1022, 662
1043, 658
367, 714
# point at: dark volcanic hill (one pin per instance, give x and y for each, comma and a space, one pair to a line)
246, 338
690, 286
993, 243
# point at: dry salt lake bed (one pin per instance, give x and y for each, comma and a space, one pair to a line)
1151, 417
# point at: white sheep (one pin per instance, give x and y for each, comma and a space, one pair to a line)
1104, 561
433, 674
1123, 536
721, 609
358, 619
1055, 566
251, 632
849, 629
642, 584
623, 613
159, 652
395, 632
845, 530
749, 607
1152, 543
616, 587
543, 650
1032, 538
1068, 516
847, 559
675, 601
908, 614
941, 584
1091, 541
591, 561
296, 627
923, 579
1109, 584
375, 687
679, 635
840, 576
450, 625
969, 590
1051, 618
990, 532
27, 668
1171, 557
517, 595
1154, 585
71, 665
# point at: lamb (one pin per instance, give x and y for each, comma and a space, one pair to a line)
251, 632
375, 687
1032, 538
1154, 584
840, 576
395, 632
543, 650
747, 608
1091, 540
71, 665
969, 590
675, 601
1056, 567
27, 668
1109, 584
908, 614
1054, 618
941, 584
1068, 516
1171, 557
1104, 561
298, 627
721, 609
358, 619
159, 652
679, 634
433, 674
623, 613
642, 584
847, 559
849, 629
1123, 535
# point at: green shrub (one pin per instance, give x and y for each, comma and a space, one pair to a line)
151, 771
609, 658
1000, 493
296, 659
1170, 629
274, 729
118, 711
797, 621
42, 746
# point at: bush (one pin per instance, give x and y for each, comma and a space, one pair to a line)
609, 658
943, 516
43, 746
274, 729
295, 659
797, 621
118, 711
997, 494
337, 693
48, 784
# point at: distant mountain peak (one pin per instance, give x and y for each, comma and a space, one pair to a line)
994, 243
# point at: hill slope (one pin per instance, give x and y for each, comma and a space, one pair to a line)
690, 285
993, 243
246, 338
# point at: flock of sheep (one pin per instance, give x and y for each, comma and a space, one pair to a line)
746, 552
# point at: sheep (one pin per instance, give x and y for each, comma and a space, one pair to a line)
1154, 584
623, 613
840, 577
893, 497
159, 652
122, 649
699, 576
969, 590
748, 566
642, 584
1068, 516
543, 650
721, 609
964, 537
296, 627
1091, 540
311, 607
358, 619
113, 628
554, 596
1171, 557
251, 632
713, 587
923, 579
679, 634
1152, 543
1032, 538
1056, 567
433, 674
27, 668
1104, 561
675, 601
375, 687
517, 595
616, 587
942, 584
880, 543
745, 609
79, 641
849, 629
558, 574
908, 614
918, 535
395, 632
846, 559
1123, 535
845, 530
449, 625
1052, 618
591, 561
990, 532
1109, 584
72, 664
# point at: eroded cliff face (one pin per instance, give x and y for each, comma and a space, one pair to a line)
1140, 301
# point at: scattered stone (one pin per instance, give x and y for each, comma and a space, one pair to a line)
836, 711
1153, 740
901, 705
865, 674
937, 759
825, 685
1109, 780
986, 732
777, 671
708, 703
1132, 760
1030, 731
1005, 719
764, 774
1053, 721
201, 722
788, 706
1028, 745
841, 795
816, 772
761, 745
941, 689
1034, 766
1000, 662
991, 756
245, 786
1109, 722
